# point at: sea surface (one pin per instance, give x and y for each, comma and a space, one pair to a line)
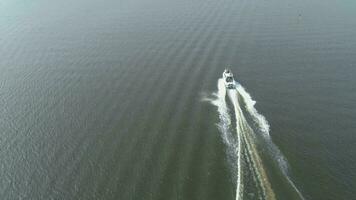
103, 99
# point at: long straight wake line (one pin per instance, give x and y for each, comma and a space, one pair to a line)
261, 121
237, 148
242, 128
239, 132
239, 174
246, 136
234, 147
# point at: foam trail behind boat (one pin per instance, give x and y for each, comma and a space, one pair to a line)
261, 121
233, 146
245, 136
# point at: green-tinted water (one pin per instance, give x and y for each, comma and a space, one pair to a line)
102, 99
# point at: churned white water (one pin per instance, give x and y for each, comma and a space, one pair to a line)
242, 142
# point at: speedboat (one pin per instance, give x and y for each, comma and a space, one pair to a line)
229, 79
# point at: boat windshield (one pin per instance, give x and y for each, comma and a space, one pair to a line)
231, 86
229, 79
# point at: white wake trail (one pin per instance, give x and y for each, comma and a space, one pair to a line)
250, 107
245, 133
234, 147
245, 143
263, 125
232, 95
